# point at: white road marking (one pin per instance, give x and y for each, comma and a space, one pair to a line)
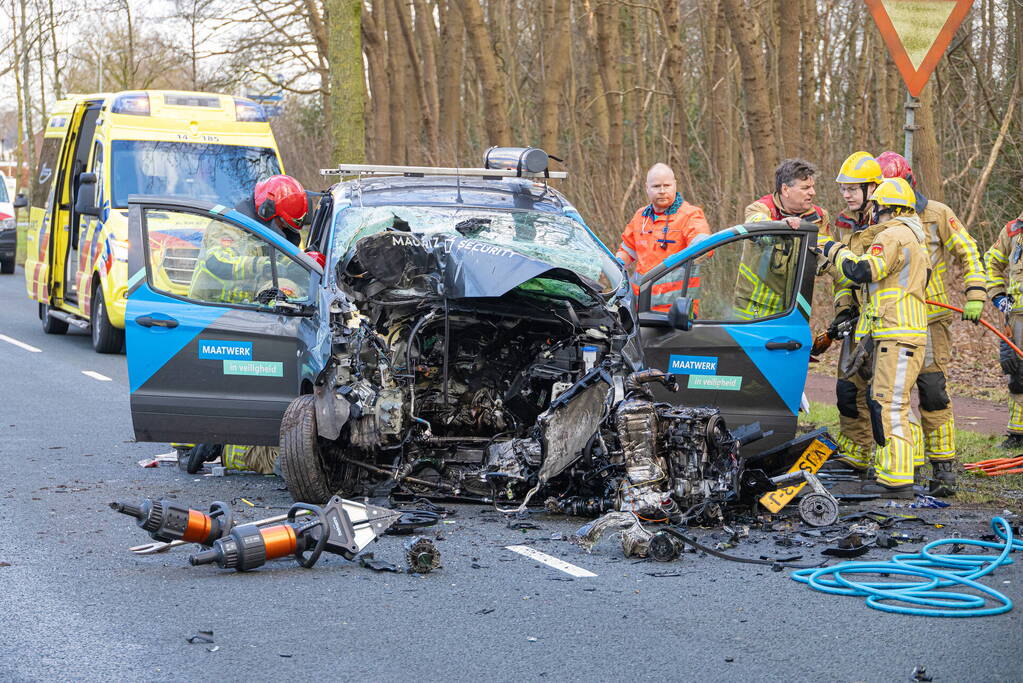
96, 375
27, 347
550, 561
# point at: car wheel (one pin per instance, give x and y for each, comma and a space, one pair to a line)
301, 462
7, 266
105, 337
51, 325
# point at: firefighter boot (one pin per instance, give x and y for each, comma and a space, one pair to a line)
943, 478
892, 492
1014, 442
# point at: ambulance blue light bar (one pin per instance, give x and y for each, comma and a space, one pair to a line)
134, 103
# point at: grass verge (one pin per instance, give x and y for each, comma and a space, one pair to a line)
974, 489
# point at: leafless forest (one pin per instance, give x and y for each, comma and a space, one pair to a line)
720, 89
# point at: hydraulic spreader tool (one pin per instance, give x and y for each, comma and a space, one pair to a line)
342, 527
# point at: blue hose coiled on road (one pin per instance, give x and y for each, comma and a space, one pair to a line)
935, 572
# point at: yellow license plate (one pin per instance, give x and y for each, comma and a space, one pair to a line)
815, 455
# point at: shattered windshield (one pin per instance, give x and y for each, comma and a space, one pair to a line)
551, 238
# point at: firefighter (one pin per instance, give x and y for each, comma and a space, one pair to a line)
947, 241
230, 267
279, 202
665, 226
857, 179
892, 326
761, 281
1005, 285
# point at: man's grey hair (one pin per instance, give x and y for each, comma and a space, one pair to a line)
791, 170
659, 166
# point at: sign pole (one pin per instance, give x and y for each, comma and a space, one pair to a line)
911, 104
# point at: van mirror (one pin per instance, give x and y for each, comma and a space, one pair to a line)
682, 313
84, 204
20, 201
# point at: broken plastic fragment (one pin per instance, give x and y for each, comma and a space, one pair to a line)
201, 637
369, 562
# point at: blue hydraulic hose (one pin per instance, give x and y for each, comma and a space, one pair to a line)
933, 573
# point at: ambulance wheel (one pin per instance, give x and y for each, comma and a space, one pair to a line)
7, 266
51, 325
301, 462
105, 337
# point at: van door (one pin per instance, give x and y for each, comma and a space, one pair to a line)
748, 350
65, 230
219, 323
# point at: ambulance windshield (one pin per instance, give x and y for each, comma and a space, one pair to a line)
218, 173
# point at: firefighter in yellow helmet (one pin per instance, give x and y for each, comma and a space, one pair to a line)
857, 179
947, 241
1005, 285
891, 276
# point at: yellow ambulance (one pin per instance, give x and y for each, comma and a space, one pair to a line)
99, 149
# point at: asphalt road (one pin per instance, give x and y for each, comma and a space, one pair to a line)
76, 605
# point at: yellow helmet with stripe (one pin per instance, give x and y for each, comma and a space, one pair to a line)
894, 192
860, 168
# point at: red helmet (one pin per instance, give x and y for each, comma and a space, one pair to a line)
894, 165
281, 196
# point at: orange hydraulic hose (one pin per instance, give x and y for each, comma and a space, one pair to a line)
985, 323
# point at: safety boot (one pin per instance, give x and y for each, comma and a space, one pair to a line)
890, 492
943, 478
1014, 442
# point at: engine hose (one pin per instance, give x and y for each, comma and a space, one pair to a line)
735, 558
985, 323
932, 573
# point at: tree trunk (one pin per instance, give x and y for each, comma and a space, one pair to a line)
557, 41
426, 31
453, 41
595, 87
347, 81
427, 119
788, 75
759, 122
926, 153
397, 63
494, 102
609, 51
373, 24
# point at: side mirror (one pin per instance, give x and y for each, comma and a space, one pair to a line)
20, 201
86, 194
682, 313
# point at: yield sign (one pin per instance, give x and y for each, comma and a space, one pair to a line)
917, 33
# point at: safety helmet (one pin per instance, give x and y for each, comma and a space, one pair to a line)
283, 197
894, 165
859, 168
894, 192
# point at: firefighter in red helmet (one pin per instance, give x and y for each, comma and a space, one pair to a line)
279, 202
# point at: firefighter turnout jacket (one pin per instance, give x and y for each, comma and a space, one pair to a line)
1004, 261
763, 274
651, 237
947, 239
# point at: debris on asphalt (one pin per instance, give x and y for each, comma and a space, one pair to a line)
920, 674
368, 561
421, 555
201, 637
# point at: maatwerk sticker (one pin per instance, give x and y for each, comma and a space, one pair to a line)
692, 365
216, 349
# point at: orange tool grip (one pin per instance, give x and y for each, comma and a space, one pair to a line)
198, 528
279, 540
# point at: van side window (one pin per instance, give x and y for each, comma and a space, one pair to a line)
43, 178
97, 168
207, 260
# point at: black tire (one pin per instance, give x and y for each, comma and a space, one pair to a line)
7, 266
105, 337
51, 325
301, 462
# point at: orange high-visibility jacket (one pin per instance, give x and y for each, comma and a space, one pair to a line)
651, 237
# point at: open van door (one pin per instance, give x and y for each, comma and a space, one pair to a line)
747, 350
218, 323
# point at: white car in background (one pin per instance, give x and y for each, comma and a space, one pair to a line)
8, 226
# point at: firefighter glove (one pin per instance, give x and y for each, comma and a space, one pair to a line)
842, 324
1001, 302
972, 311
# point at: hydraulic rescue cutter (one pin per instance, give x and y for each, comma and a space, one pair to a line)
342, 527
